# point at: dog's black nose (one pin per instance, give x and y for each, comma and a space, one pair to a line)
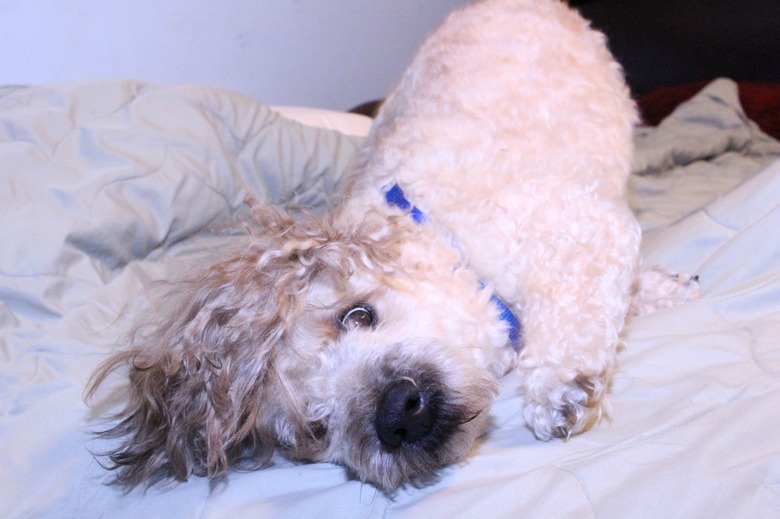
405, 415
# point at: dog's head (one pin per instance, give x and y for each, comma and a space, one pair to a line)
356, 339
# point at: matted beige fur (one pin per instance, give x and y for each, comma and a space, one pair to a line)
369, 340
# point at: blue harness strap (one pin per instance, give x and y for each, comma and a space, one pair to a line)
395, 197
513, 323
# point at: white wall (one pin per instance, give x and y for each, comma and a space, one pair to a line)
326, 53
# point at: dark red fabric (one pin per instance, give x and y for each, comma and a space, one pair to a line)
662, 101
761, 102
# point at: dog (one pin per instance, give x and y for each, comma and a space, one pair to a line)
484, 228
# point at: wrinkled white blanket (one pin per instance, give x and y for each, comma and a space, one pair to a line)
106, 186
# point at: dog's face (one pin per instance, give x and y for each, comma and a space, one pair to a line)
365, 343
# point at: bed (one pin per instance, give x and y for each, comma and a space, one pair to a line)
108, 185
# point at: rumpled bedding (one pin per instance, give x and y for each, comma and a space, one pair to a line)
107, 186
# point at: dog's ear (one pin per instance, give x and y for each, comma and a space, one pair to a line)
201, 360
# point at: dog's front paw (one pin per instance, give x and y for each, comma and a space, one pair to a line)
567, 409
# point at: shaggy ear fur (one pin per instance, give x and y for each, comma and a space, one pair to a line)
202, 359
199, 361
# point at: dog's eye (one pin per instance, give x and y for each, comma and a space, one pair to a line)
359, 316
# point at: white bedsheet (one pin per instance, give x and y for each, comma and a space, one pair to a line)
105, 186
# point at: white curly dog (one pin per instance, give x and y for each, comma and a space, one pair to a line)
485, 228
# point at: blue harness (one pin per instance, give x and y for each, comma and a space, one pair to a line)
395, 197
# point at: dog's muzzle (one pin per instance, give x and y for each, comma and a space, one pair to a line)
411, 421
406, 414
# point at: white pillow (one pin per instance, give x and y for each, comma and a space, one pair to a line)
344, 122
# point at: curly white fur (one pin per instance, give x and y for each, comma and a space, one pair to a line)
513, 131
365, 339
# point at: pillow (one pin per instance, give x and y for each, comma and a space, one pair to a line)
345, 122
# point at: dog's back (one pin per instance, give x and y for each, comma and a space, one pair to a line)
512, 108
512, 130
